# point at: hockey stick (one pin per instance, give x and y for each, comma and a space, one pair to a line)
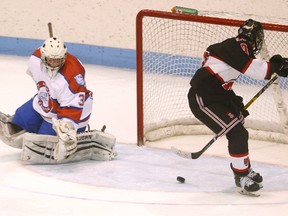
50, 29
195, 155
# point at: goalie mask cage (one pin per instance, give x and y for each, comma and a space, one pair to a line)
169, 50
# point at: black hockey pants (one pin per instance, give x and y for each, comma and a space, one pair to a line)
220, 118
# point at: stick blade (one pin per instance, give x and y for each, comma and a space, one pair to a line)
196, 155
181, 153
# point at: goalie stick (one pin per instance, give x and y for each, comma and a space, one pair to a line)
195, 155
50, 29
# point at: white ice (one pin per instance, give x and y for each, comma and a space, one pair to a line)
141, 180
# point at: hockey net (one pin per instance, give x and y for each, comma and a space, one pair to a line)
169, 50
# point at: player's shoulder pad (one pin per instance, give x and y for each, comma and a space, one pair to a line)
72, 67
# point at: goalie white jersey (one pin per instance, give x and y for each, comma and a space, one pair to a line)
62, 96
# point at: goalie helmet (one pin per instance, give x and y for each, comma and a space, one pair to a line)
253, 32
53, 54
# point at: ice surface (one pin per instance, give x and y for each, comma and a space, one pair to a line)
141, 180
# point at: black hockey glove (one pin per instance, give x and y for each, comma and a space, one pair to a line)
282, 63
245, 112
237, 107
277, 59
283, 72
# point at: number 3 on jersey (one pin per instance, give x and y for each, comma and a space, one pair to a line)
81, 99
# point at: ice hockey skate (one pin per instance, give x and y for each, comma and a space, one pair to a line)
250, 184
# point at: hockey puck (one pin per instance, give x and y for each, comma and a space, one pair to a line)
180, 179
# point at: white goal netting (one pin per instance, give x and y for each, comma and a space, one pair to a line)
169, 51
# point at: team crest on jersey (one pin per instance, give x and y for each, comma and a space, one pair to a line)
45, 101
80, 80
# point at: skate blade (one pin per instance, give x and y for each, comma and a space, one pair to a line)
248, 193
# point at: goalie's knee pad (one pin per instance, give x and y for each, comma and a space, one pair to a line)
10, 133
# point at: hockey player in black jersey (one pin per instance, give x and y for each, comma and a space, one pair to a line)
213, 102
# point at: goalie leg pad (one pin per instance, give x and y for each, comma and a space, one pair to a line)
102, 144
10, 133
38, 148
91, 145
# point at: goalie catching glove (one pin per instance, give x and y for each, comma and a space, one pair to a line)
281, 64
67, 143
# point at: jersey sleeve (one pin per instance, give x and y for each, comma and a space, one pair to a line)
238, 54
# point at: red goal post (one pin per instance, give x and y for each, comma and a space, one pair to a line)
169, 51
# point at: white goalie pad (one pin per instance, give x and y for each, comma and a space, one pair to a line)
10, 134
91, 145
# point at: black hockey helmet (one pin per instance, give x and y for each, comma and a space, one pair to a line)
253, 32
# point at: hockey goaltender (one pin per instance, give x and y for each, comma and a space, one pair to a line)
51, 127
